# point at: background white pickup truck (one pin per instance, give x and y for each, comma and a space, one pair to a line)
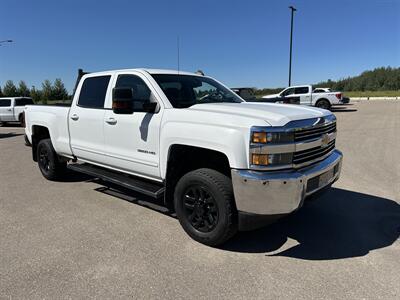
307, 96
221, 163
12, 108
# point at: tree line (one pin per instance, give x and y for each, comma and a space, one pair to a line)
379, 79
49, 91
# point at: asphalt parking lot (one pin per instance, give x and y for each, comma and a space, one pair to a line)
80, 238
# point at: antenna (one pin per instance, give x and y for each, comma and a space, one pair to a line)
177, 44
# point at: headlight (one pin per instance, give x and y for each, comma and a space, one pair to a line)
271, 159
268, 148
263, 137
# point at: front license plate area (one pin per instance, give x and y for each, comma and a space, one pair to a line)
320, 180
324, 178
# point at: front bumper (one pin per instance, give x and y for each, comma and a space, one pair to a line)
282, 192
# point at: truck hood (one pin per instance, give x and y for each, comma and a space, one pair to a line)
273, 114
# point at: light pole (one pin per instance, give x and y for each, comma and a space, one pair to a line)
5, 41
291, 37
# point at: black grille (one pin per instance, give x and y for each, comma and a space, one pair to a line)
312, 184
312, 153
314, 132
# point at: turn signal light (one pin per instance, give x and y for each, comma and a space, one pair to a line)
260, 159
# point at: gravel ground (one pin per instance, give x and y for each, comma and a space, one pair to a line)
81, 239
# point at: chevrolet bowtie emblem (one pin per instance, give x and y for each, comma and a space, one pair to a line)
324, 140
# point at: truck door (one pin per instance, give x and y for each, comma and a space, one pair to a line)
132, 140
86, 120
304, 93
6, 110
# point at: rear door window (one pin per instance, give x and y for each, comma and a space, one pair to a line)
5, 102
93, 92
23, 102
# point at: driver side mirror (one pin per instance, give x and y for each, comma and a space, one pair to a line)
122, 100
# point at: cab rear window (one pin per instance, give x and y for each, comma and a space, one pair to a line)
5, 102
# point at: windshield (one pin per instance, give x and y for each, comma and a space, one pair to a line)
187, 90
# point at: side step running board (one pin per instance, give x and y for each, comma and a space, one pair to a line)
147, 187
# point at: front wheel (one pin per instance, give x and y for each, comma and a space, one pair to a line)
205, 207
49, 164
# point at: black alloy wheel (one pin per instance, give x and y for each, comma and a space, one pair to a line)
200, 208
49, 163
205, 207
44, 160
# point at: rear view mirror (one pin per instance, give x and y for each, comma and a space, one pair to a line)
122, 100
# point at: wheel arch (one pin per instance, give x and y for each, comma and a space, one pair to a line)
39, 133
185, 158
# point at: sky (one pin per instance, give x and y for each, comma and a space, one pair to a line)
241, 43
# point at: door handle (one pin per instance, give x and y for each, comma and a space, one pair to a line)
9, 109
111, 121
75, 117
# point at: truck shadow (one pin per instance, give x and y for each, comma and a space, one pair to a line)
71, 176
9, 135
340, 224
122, 193
343, 109
11, 125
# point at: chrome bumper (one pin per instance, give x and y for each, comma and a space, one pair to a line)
281, 192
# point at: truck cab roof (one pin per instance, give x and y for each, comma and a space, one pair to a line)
147, 70
20, 97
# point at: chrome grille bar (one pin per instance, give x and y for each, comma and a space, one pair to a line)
314, 154
306, 134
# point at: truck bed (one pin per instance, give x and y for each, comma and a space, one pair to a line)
55, 118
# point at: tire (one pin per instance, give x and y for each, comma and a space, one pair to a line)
323, 103
205, 207
21, 120
27, 142
48, 162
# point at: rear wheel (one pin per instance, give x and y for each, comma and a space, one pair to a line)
21, 120
27, 142
205, 206
323, 104
49, 164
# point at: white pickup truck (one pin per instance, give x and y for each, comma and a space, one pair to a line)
222, 164
308, 96
12, 108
